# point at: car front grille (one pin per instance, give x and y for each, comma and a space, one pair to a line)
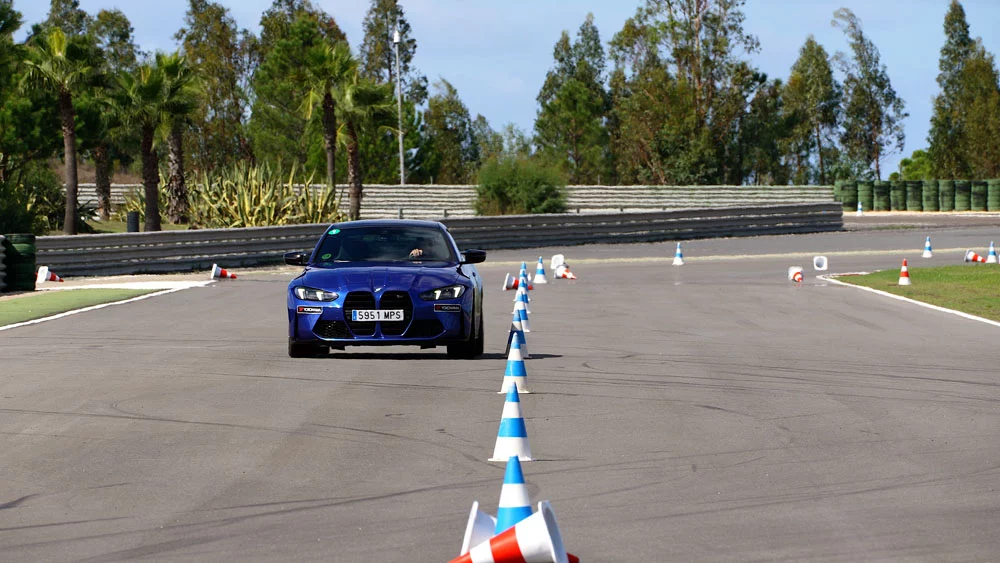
425, 328
360, 300
396, 300
332, 329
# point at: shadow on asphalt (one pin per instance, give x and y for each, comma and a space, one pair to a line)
418, 356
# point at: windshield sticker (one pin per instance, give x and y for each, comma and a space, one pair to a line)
334, 232
326, 256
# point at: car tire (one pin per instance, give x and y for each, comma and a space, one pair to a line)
305, 350
471, 349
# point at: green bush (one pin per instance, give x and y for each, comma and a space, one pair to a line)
519, 186
15, 212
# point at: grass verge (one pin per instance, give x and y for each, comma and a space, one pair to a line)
45, 303
973, 289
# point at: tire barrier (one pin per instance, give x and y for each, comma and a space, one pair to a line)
849, 196
19, 257
177, 251
3, 263
837, 187
914, 195
963, 195
897, 195
882, 200
866, 195
993, 195
946, 195
931, 200
977, 201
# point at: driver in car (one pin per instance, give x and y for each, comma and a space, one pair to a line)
427, 249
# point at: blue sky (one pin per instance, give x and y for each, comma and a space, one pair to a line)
497, 53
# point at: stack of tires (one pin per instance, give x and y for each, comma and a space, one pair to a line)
930, 194
978, 199
914, 195
882, 202
19, 259
993, 195
3, 264
849, 196
897, 195
963, 195
946, 195
866, 195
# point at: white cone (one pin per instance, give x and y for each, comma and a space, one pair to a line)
928, 252
536, 539
478, 529
540, 274
991, 258
512, 436
515, 375
860, 211
820, 263
795, 274
678, 256
557, 260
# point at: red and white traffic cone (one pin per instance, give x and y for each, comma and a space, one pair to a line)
971, 256
218, 272
536, 539
904, 274
795, 274
510, 282
44, 275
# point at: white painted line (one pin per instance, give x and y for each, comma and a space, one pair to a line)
128, 285
101, 306
831, 278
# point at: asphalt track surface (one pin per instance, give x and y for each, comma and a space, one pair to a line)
714, 412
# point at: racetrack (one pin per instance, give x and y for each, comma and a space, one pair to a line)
713, 412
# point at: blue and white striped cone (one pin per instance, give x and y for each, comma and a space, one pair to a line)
540, 273
515, 504
515, 376
860, 211
678, 256
526, 282
521, 310
522, 297
517, 333
928, 253
478, 529
991, 258
512, 436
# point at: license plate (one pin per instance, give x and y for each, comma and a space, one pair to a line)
372, 316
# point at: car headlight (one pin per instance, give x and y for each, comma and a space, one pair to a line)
313, 294
450, 292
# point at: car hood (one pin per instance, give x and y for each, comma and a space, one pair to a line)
380, 278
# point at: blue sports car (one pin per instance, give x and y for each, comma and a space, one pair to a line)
376, 283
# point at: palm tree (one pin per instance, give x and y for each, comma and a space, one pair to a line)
327, 68
139, 103
55, 63
180, 102
362, 105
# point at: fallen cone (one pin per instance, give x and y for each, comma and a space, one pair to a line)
971, 256
795, 274
44, 275
535, 539
218, 272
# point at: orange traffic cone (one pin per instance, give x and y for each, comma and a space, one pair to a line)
218, 272
44, 275
904, 274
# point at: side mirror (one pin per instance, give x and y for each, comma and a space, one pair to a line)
296, 258
474, 256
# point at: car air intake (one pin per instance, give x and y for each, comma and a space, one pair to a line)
332, 329
360, 300
396, 300
425, 328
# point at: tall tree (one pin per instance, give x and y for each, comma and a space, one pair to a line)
449, 128
873, 113
55, 63
946, 132
377, 53
225, 57
181, 94
361, 106
570, 128
813, 96
67, 16
978, 101
276, 23
327, 68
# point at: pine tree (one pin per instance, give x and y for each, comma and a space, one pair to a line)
450, 130
813, 96
377, 52
946, 126
873, 113
978, 108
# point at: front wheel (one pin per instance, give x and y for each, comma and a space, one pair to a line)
471, 349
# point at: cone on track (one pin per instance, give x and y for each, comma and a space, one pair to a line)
478, 529
562, 272
515, 375
522, 297
557, 259
904, 274
971, 256
515, 504
991, 258
860, 211
512, 436
795, 274
44, 275
678, 256
820, 263
535, 539
521, 309
510, 282
516, 332
218, 272
540, 273
928, 253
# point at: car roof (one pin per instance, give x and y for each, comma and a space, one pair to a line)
389, 223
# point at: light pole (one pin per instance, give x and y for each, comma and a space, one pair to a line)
399, 107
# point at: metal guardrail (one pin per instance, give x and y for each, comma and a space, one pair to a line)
431, 201
175, 251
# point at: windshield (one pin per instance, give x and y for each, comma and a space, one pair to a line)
384, 244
